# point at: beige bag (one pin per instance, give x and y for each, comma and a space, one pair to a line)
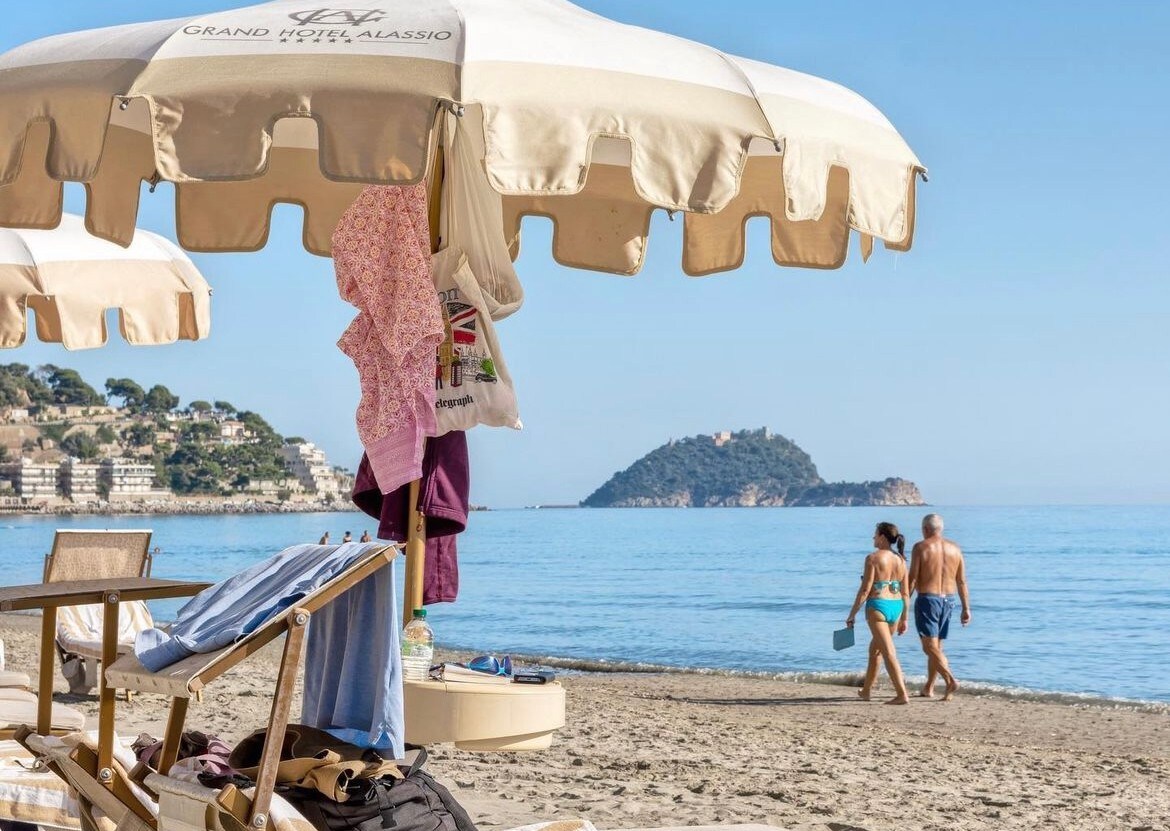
472, 384
472, 221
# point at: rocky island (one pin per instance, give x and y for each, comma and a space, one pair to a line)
745, 469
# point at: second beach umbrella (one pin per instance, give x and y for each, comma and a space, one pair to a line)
70, 278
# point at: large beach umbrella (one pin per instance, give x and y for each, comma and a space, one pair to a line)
588, 121
70, 278
564, 114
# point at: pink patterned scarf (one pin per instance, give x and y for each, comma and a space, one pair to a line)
382, 255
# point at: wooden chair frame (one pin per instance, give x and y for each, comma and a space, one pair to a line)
185, 678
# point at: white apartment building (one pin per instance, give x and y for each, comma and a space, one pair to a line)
125, 479
79, 480
33, 480
307, 462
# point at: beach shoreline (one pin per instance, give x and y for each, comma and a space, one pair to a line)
676, 748
185, 508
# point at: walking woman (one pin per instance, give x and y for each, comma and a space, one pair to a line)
886, 594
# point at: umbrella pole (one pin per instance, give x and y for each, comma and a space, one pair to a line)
416, 535
416, 555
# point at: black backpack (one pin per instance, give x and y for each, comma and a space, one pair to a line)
415, 802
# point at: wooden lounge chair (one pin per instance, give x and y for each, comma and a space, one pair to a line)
183, 679
180, 805
90, 772
92, 555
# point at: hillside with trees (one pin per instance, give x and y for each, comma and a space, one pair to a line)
744, 469
204, 448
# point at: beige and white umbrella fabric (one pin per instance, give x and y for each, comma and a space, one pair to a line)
70, 278
587, 121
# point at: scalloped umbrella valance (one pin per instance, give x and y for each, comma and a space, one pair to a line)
70, 278
587, 121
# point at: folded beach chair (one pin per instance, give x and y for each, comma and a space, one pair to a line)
93, 555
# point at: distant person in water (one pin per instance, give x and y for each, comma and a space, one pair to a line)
886, 594
324, 539
366, 537
347, 538
937, 572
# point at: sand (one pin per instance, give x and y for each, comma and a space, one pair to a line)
686, 749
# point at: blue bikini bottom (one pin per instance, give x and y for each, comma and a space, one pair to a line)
889, 607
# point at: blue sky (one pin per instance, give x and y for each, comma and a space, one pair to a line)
1018, 354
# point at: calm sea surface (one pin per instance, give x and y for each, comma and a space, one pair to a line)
1065, 599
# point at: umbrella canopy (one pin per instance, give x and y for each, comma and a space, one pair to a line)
587, 121
70, 278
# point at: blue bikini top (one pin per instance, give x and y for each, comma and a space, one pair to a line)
895, 585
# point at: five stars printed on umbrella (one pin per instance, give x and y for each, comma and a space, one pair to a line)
318, 40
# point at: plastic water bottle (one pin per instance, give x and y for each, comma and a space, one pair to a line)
418, 648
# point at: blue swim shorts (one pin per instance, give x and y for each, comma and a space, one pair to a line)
932, 615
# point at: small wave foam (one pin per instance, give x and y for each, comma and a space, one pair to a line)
848, 679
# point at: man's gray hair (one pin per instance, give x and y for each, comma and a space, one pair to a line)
933, 522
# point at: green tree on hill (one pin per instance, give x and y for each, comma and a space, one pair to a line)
105, 434
225, 408
81, 445
139, 435
128, 392
191, 470
259, 428
201, 407
20, 388
54, 432
159, 399
69, 388
198, 432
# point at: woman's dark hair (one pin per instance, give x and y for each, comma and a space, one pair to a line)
897, 542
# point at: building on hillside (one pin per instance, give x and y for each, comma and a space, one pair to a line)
123, 479
76, 411
345, 479
234, 432
79, 480
273, 488
15, 415
307, 462
32, 480
722, 438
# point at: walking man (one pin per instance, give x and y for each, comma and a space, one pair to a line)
937, 573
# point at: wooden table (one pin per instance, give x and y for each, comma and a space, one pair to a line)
109, 593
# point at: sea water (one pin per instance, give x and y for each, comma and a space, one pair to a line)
1066, 600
